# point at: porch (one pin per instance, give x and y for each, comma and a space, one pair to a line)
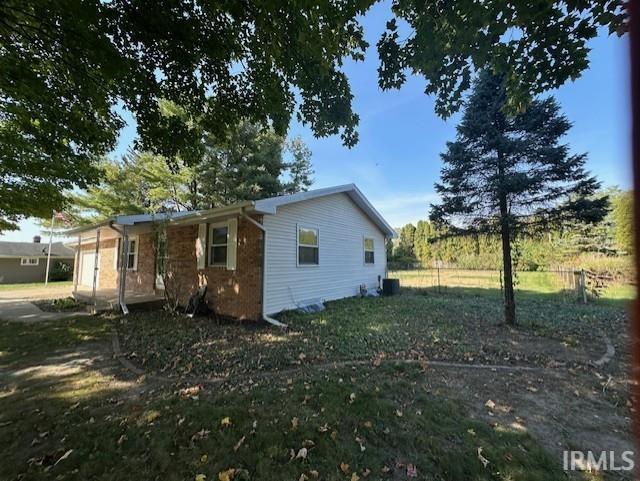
107, 299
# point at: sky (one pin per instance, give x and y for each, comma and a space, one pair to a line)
396, 161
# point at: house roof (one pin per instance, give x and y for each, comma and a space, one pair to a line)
263, 206
34, 249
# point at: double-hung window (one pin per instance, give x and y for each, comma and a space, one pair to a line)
29, 261
369, 256
132, 254
218, 244
308, 246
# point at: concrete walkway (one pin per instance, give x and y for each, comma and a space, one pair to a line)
25, 311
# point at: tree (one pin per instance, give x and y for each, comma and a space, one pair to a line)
622, 214
535, 46
252, 163
510, 173
69, 68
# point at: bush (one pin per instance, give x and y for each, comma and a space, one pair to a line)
60, 271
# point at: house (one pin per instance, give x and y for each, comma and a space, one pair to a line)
256, 258
22, 262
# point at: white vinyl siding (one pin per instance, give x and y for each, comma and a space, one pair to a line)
341, 227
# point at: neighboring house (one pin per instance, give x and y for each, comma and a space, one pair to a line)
22, 262
257, 258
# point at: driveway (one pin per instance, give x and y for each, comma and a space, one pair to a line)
16, 305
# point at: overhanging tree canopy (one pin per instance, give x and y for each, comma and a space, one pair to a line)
536, 46
67, 64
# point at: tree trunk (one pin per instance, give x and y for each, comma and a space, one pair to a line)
509, 297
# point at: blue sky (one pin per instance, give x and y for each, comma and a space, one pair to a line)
397, 159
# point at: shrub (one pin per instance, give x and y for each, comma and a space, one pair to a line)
60, 271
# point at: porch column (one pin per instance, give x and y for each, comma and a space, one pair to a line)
122, 276
76, 264
95, 266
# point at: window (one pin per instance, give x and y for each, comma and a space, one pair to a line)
218, 240
307, 246
369, 257
29, 261
132, 254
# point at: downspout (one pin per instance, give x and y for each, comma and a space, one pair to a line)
267, 318
121, 271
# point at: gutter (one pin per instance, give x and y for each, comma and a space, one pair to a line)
265, 316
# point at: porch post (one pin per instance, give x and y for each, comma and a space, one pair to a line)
95, 266
122, 277
76, 266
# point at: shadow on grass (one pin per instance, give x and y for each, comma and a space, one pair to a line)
66, 416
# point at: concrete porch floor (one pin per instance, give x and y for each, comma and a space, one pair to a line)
107, 299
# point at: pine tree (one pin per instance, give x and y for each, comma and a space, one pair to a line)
511, 173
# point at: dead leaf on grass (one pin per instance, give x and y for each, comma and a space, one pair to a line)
225, 422
295, 423
64, 456
344, 467
482, 459
239, 443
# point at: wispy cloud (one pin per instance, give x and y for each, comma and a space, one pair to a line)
400, 209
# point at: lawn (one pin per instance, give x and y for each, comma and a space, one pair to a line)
461, 325
526, 282
34, 285
68, 411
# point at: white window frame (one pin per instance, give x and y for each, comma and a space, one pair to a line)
26, 261
135, 253
298, 244
211, 245
365, 250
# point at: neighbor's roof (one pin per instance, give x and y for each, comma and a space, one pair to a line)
34, 249
263, 206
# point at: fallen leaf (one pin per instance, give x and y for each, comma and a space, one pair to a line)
302, 454
352, 397
314, 473
355, 477
366, 472
412, 471
490, 404
225, 422
344, 467
226, 475
64, 456
295, 422
307, 443
204, 458
239, 443
201, 477
482, 459
398, 413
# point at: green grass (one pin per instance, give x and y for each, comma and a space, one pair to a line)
562, 285
33, 285
375, 420
459, 324
20, 342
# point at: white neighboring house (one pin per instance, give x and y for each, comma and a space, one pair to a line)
257, 258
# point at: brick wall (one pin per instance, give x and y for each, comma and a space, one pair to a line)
108, 276
236, 293
141, 280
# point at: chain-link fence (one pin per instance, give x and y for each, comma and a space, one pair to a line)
569, 283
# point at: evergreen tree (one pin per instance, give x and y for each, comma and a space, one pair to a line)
508, 173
